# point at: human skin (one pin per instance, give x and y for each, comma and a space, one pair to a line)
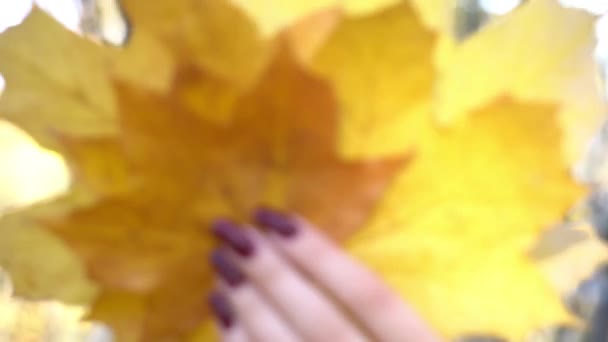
288, 282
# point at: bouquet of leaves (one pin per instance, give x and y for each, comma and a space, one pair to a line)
437, 161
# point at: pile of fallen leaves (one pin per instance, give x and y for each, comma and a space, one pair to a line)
436, 162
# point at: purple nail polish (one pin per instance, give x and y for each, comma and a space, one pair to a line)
220, 260
222, 310
276, 221
233, 236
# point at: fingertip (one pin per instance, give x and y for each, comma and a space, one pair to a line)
276, 221
234, 236
221, 309
226, 267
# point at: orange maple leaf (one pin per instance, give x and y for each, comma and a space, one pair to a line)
148, 238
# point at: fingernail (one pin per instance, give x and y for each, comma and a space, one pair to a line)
276, 221
220, 260
233, 236
222, 310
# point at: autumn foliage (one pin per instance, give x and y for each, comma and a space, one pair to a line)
436, 163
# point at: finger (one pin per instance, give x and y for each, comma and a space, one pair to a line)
306, 309
225, 319
380, 310
259, 319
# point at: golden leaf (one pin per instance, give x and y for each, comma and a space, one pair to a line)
145, 237
519, 55
381, 68
36, 258
453, 233
499, 70
41, 57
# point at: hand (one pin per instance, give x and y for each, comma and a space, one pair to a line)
289, 283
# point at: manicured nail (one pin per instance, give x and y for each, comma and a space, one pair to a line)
222, 310
233, 236
226, 268
276, 221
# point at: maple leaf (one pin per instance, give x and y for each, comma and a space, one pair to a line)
385, 104
168, 172
70, 66
498, 61
36, 259
274, 151
454, 232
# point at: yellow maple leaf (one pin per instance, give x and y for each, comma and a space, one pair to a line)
231, 118
498, 61
69, 66
519, 55
453, 233
36, 258
381, 68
